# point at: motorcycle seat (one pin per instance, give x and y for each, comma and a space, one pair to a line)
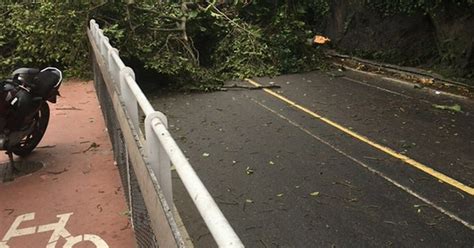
25, 75
26, 71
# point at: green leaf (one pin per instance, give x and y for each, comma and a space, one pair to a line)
193, 14
454, 108
316, 193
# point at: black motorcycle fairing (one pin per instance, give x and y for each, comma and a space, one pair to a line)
23, 108
46, 83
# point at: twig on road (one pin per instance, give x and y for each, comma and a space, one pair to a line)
47, 146
68, 108
228, 202
345, 184
57, 172
236, 86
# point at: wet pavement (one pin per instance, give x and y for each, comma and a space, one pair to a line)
77, 197
284, 178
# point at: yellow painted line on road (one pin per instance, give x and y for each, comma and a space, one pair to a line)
440, 176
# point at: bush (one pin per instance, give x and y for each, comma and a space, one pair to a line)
189, 44
38, 35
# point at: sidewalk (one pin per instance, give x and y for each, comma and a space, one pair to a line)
79, 188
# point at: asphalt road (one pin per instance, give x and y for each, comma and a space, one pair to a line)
335, 159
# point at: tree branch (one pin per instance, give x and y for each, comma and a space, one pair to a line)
168, 29
172, 18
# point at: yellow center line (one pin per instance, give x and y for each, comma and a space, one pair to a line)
440, 176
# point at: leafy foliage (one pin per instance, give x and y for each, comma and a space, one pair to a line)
193, 44
187, 43
39, 35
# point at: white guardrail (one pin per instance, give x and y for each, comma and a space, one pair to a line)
159, 147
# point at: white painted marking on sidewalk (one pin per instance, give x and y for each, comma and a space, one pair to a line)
58, 228
369, 168
14, 231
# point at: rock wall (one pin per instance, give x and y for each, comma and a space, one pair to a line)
442, 38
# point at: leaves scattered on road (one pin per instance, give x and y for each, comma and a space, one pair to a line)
316, 193
249, 171
454, 108
126, 213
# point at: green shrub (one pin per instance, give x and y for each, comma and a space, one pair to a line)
39, 35
189, 44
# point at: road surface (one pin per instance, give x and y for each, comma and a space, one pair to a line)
331, 159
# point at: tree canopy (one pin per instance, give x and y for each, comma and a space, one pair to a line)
187, 43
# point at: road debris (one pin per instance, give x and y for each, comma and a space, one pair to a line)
238, 86
453, 108
249, 171
57, 172
47, 146
9, 210
316, 193
68, 108
92, 147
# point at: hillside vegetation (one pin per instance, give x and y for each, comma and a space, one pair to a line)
198, 45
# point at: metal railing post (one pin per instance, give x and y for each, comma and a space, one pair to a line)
102, 47
157, 156
153, 164
113, 67
128, 96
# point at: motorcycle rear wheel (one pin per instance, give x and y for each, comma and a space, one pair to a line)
41, 119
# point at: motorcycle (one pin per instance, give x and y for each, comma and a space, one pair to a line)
24, 111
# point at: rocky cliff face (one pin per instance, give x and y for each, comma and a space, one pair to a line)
442, 37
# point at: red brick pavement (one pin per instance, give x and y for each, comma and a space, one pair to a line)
79, 177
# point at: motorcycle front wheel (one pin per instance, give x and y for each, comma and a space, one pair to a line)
30, 141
